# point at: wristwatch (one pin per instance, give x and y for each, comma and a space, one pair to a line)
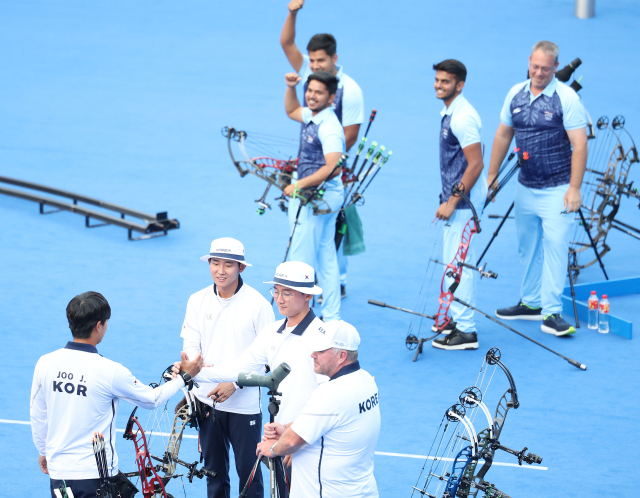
271, 449
188, 381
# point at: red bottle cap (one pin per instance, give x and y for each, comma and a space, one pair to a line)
593, 293
604, 296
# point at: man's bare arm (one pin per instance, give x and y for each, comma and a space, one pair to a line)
288, 444
501, 143
578, 139
291, 103
473, 155
288, 36
351, 135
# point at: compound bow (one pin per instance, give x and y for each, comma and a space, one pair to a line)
450, 277
152, 483
278, 173
603, 189
460, 478
454, 271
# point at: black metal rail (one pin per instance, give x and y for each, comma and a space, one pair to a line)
151, 226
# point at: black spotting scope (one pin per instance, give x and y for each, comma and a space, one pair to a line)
271, 381
565, 73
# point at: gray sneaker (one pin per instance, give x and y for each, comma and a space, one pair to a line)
520, 311
556, 325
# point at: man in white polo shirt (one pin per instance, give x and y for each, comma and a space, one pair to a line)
222, 321
282, 342
76, 392
334, 439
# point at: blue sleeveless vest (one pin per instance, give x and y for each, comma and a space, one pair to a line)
453, 164
310, 155
337, 101
539, 131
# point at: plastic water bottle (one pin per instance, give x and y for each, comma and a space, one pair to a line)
593, 310
603, 315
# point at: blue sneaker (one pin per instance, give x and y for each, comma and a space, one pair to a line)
556, 325
520, 311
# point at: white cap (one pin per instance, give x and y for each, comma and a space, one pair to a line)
337, 334
297, 276
226, 248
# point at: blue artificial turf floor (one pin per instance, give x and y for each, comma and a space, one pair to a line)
124, 101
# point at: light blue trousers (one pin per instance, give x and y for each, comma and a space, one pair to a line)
342, 263
452, 235
543, 245
314, 243
342, 259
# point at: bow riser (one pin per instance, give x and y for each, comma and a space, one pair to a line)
150, 481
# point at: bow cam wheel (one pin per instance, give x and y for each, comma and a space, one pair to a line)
458, 410
411, 342
493, 356
470, 392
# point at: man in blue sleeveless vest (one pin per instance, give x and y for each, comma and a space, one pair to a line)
460, 162
321, 146
549, 123
348, 103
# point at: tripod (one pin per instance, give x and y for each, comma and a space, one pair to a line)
272, 463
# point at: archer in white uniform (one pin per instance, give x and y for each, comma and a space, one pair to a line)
76, 393
222, 321
282, 341
334, 438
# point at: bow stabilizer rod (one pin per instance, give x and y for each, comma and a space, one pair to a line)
575, 363
385, 305
493, 193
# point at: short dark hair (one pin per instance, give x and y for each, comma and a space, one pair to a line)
454, 67
329, 80
323, 41
85, 311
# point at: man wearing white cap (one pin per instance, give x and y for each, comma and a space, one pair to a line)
221, 322
282, 341
334, 439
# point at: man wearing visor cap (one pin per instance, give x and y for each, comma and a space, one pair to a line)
221, 322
